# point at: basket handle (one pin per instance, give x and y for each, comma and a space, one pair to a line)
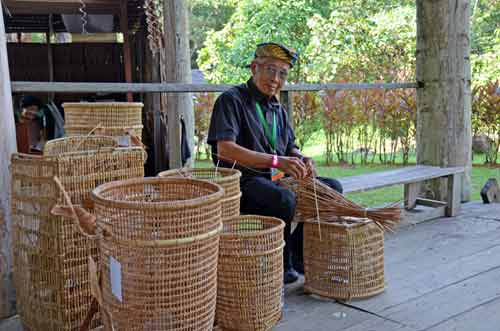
97, 301
85, 222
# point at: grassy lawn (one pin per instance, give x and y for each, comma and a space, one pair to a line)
480, 175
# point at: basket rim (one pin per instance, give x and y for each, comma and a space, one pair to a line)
340, 224
228, 173
138, 126
97, 197
102, 104
279, 226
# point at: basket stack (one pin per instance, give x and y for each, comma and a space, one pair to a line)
50, 255
115, 119
250, 273
159, 252
229, 179
344, 259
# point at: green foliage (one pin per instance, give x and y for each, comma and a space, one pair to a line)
227, 51
207, 16
355, 46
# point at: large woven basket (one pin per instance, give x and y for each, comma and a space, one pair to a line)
229, 179
110, 118
78, 144
50, 255
250, 273
159, 252
347, 262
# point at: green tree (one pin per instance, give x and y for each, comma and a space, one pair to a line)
227, 51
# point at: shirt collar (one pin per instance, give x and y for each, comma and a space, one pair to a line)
261, 97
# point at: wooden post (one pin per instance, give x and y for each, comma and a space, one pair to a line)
7, 147
50, 55
178, 69
127, 61
444, 98
286, 99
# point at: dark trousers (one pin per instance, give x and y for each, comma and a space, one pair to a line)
261, 196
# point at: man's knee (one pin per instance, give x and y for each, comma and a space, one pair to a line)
333, 183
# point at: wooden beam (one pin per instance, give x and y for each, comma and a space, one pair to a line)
178, 69
127, 61
50, 54
7, 147
286, 99
69, 87
444, 101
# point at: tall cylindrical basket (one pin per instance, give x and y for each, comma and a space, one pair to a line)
250, 273
229, 179
159, 251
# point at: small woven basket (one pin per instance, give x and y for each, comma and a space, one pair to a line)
347, 262
250, 273
77, 144
110, 118
229, 179
50, 255
159, 252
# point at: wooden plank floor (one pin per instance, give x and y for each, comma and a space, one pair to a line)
441, 275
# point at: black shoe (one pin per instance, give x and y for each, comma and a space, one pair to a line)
290, 276
299, 266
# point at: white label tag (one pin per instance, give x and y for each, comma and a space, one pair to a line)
115, 273
124, 141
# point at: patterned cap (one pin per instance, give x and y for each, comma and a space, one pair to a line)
277, 51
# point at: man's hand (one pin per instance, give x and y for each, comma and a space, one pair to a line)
292, 166
310, 166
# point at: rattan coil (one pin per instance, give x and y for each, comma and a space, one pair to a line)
78, 143
50, 255
250, 273
347, 262
229, 179
164, 234
111, 118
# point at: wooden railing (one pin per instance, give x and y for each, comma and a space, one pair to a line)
175, 149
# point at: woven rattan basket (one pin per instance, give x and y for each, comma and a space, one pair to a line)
229, 179
159, 252
50, 255
250, 273
110, 118
347, 262
77, 144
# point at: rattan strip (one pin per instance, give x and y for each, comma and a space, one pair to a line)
231, 206
78, 143
50, 256
347, 263
250, 273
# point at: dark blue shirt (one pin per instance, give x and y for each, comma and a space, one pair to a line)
235, 118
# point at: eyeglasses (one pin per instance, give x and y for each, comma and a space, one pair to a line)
271, 71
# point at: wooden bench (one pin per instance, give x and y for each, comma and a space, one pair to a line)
411, 178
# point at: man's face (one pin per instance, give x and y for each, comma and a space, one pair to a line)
269, 75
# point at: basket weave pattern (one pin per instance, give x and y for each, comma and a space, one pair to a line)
113, 118
78, 143
250, 273
164, 233
347, 263
229, 179
50, 255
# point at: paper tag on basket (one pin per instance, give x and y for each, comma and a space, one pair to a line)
124, 141
115, 274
